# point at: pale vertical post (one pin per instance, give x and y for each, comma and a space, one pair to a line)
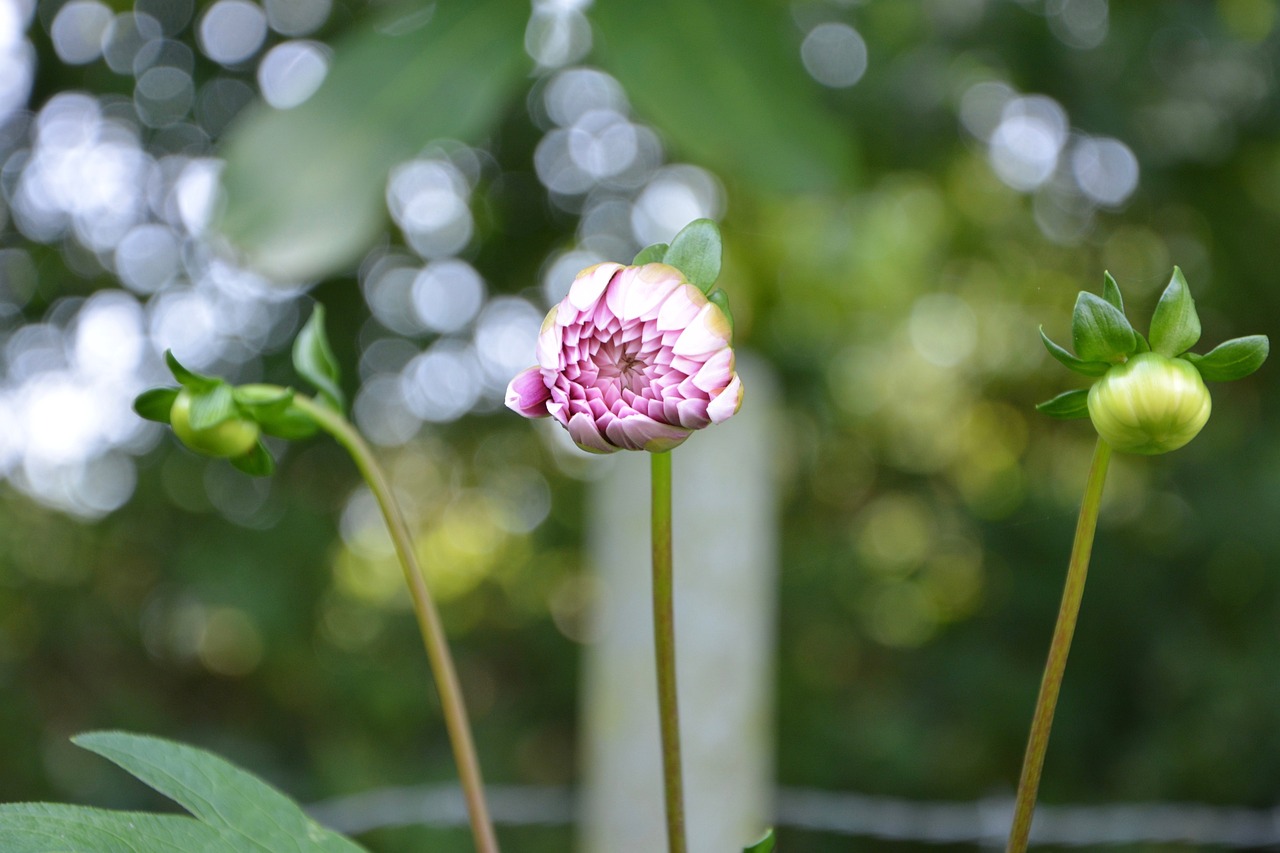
725, 603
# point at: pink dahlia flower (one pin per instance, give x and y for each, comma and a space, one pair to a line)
634, 358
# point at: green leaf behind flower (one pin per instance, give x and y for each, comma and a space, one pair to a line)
1233, 359
697, 251
1099, 330
1111, 292
1069, 405
155, 404
256, 463
1175, 325
314, 360
651, 254
189, 379
1086, 368
766, 844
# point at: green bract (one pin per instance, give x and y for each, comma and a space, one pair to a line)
1150, 397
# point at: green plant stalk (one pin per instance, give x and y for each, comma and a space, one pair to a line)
664, 646
433, 638
1059, 648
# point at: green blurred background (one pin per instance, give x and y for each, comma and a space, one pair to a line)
906, 191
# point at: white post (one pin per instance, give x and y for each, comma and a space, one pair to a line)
725, 532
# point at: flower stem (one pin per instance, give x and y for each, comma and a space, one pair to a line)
664, 643
433, 638
1059, 647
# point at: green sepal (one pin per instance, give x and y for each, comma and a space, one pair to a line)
1069, 405
651, 254
766, 844
187, 378
696, 251
257, 462
1143, 346
1111, 292
1087, 368
721, 300
1233, 359
1175, 326
155, 404
1099, 331
314, 360
212, 407
291, 423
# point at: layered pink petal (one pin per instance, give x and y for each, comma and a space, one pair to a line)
716, 372
584, 432
680, 308
705, 334
638, 292
528, 394
589, 284
639, 432
726, 403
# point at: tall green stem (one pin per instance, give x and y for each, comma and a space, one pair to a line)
433, 638
664, 644
1059, 647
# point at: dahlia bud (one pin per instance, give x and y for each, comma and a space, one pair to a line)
1150, 404
226, 439
1151, 396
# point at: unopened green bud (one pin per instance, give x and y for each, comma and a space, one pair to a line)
227, 439
1150, 404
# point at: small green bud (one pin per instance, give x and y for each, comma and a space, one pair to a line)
1150, 404
226, 439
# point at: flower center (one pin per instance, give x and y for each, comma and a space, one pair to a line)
621, 362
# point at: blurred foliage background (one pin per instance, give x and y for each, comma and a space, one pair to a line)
907, 190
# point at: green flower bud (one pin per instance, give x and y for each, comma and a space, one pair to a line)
228, 439
1150, 404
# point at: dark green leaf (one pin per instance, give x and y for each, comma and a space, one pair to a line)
212, 407
1067, 405
651, 254
1111, 292
291, 423
154, 405
766, 844
696, 252
1233, 359
1087, 368
724, 81
46, 827
187, 378
1099, 332
256, 463
1175, 326
304, 187
721, 300
314, 360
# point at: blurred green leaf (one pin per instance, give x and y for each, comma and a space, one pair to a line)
1233, 359
212, 407
189, 379
1175, 326
696, 251
723, 80
721, 299
304, 187
1069, 405
1099, 332
1111, 292
314, 360
256, 463
1087, 368
233, 810
651, 254
155, 404
766, 844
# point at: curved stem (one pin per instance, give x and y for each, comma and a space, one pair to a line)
1059, 647
433, 638
664, 645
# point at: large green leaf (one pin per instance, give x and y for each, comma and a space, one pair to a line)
1175, 325
723, 80
304, 187
696, 251
1099, 331
233, 811
1233, 359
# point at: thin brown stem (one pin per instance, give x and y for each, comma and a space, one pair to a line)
1059, 647
433, 637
